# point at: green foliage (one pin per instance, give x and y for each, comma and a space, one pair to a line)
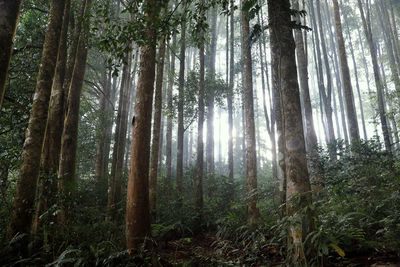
358, 207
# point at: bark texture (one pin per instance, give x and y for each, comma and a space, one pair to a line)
298, 185
47, 185
253, 213
137, 204
21, 218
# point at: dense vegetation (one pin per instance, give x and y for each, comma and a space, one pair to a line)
199, 133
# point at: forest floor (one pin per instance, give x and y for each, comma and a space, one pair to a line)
201, 250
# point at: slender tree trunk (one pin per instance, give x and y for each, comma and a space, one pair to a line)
168, 145
230, 96
181, 102
346, 79
108, 136
75, 31
272, 119
69, 140
47, 185
353, 58
395, 34
276, 95
21, 218
200, 142
327, 96
104, 118
389, 46
377, 76
115, 184
155, 146
341, 125
298, 184
130, 114
253, 213
311, 137
137, 204
210, 99
9, 14
394, 137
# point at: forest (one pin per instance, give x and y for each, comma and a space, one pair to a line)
200, 133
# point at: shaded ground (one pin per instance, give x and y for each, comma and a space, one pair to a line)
205, 250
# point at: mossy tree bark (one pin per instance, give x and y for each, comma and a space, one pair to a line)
253, 213
298, 184
21, 218
9, 13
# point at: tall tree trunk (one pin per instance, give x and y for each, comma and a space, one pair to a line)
210, 99
298, 184
272, 119
108, 134
115, 184
21, 218
377, 76
392, 126
278, 116
341, 125
50, 157
311, 137
104, 118
346, 79
200, 124
327, 96
9, 14
168, 137
67, 169
325, 92
388, 40
253, 213
155, 146
230, 96
353, 58
395, 33
130, 115
137, 204
181, 103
